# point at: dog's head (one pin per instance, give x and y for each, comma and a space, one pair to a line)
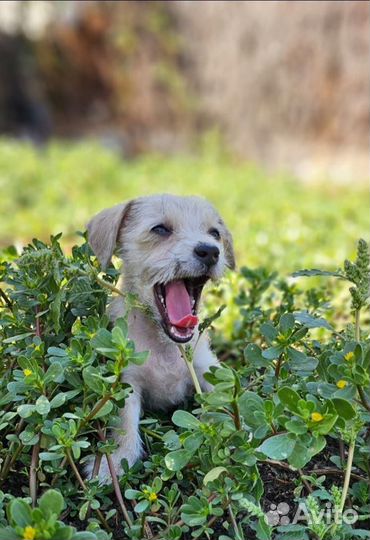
171, 246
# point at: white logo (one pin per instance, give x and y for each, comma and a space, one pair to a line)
278, 515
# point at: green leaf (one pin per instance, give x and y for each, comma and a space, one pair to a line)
51, 502
105, 410
139, 358
309, 321
326, 425
185, 419
213, 474
273, 352
263, 530
20, 512
19, 337
251, 403
142, 506
176, 460
118, 337
42, 405
316, 272
28, 436
286, 323
8, 534
225, 374
171, 440
269, 331
64, 533
193, 441
91, 376
132, 494
25, 411
296, 426
278, 446
299, 457
292, 532
55, 310
84, 535
300, 361
344, 408
50, 456
157, 484
55, 373
289, 398
57, 351
62, 397
253, 354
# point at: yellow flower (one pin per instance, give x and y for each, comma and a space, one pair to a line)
146, 491
27, 372
316, 417
153, 497
341, 384
349, 356
29, 533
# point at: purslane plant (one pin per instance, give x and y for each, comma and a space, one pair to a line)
293, 386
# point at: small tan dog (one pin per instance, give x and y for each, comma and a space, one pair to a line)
170, 247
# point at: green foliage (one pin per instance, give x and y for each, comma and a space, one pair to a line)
40, 523
293, 388
277, 221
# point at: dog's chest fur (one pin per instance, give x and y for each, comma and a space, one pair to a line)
164, 378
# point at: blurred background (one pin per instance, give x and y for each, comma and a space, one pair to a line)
262, 107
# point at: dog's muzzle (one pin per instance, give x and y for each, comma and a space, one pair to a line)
177, 303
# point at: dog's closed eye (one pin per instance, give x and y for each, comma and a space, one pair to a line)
161, 230
215, 233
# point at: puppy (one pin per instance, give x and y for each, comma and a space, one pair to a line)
170, 247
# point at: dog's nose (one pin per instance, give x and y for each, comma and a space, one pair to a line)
207, 254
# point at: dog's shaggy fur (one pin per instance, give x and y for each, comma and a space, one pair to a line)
161, 239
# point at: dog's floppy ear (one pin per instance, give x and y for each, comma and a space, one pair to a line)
228, 247
103, 231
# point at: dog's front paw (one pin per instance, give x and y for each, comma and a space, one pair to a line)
103, 475
130, 452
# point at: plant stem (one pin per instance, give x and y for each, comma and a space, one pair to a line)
96, 409
6, 299
109, 286
237, 421
38, 323
331, 471
278, 366
351, 451
84, 487
33, 472
360, 390
56, 476
151, 433
238, 536
357, 325
180, 522
115, 483
191, 369
10, 458
362, 396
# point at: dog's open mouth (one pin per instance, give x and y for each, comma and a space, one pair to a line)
178, 303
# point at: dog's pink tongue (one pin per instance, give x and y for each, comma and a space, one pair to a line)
179, 305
